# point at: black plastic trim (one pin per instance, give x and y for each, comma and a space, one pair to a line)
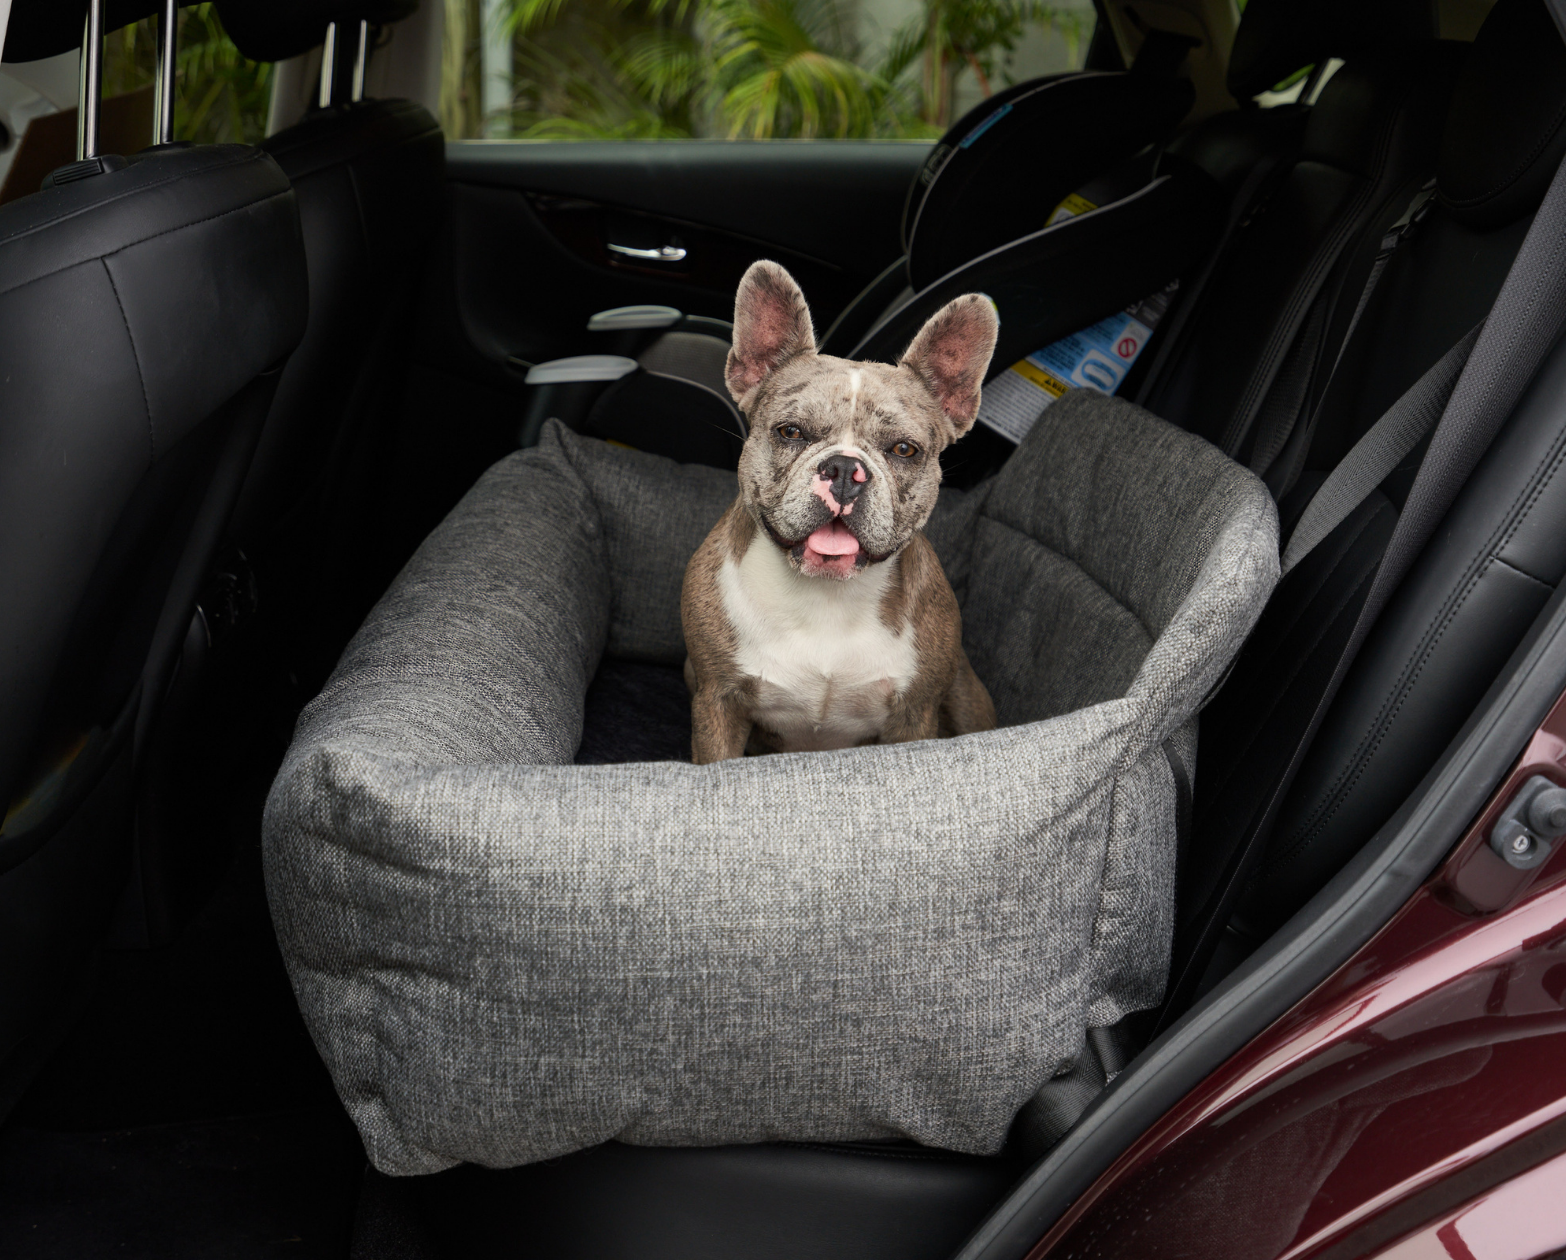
768, 190
1300, 955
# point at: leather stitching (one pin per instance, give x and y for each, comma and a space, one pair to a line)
254, 155
1523, 573
1354, 768
142, 240
1517, 172
141, 376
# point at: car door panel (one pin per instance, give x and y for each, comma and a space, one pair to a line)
525, 261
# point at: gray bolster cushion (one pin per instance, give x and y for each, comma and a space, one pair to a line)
504, 957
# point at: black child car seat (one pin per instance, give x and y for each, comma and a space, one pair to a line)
981, 215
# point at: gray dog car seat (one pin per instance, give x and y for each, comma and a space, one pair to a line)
504, 957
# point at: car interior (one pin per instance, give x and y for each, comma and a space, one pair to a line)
239, 385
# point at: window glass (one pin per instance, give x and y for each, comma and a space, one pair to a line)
219, 97
751, 69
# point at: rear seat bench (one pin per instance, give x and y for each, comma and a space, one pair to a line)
1380, 128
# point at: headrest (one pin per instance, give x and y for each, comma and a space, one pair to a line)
47, 28
1278, 37
275, 30
1506, 131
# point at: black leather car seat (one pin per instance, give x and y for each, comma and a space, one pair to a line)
1498, 555
369, 178
870, 1200
147, 308
1244, 347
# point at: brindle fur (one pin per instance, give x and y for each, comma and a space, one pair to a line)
929, 399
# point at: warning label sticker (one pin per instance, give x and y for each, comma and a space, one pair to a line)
1095, 358
1069, 209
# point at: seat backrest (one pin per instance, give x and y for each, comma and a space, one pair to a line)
1368, 142
369, 179
1274, 41
1156, 218
147, 310
1492, 564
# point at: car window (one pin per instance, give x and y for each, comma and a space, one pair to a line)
219, 97
742, 69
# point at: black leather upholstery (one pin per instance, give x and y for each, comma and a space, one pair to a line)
776, 1202
1376, 127
1278, 37
369, 179
1507, 131
1464, 607
146, 312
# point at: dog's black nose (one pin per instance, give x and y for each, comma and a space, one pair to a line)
845, 476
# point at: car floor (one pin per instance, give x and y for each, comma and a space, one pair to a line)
186, 1114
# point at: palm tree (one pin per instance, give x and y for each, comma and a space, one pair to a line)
750, 68
781, 70
951, 36
754, 68
219, 96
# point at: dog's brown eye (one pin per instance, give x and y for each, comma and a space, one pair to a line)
790, 432
905, 450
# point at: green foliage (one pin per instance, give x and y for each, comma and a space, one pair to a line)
219, 97
782, 68
952, 36
758, 69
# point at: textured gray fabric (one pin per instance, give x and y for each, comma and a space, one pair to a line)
503, 957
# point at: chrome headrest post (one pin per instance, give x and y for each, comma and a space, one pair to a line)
360, 60
329, 66
91, 84
163, 89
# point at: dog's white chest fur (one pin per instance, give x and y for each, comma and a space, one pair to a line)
827, 666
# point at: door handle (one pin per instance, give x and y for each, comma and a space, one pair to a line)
663, 254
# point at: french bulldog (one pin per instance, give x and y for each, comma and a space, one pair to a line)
816, 613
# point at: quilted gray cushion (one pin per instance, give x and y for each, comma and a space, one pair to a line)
504, 957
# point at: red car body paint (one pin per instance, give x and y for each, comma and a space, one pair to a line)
1414, 1105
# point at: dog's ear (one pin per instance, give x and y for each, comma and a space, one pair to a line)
951, 353
771, 326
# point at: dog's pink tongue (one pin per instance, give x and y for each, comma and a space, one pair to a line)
833, 539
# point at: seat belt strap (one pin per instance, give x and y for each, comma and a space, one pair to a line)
1271, 441
1524, 323
1395, 236
1381, 450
